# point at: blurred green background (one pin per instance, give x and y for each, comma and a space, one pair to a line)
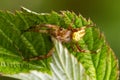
105, 13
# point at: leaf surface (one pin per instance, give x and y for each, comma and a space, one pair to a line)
64, 66
98, 59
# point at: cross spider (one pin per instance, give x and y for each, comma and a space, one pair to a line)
59, 33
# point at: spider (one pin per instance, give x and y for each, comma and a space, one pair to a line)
61, 34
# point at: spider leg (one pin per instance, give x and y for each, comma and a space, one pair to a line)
79, 48
41, 57
41, 28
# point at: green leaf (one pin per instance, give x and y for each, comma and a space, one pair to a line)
64, 66
99, 60
14, 46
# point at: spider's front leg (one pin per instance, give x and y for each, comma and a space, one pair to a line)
41, 28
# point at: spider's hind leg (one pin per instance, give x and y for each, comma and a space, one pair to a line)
41, 57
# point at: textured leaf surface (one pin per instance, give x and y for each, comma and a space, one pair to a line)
14, 46
33, 75
64, 66
98, 59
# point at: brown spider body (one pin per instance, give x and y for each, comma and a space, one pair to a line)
61, 34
